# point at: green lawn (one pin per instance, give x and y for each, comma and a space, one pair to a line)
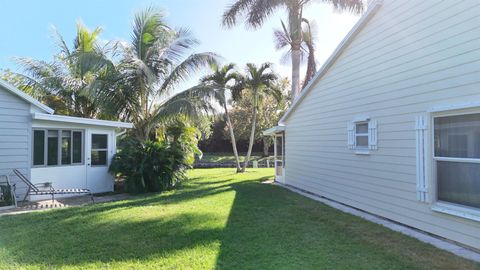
218, 219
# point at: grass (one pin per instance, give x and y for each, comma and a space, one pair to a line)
217, 219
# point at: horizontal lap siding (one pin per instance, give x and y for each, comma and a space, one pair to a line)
15, 123
412, 56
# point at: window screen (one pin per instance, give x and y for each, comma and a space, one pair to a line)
457, 142
52, 147
99, 149
38, 147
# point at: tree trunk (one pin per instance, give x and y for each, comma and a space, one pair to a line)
232, 137
252, 135
296, 54
266, 146
311, 65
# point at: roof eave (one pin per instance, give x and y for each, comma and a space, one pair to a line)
26, 97
78, 120
273, 130
372, 10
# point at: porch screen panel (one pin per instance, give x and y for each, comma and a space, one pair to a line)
38, 147
52, 147
66, 147
77, 147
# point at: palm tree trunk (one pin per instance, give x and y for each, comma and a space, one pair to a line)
266, 146
252, 134
232, 137
296, 54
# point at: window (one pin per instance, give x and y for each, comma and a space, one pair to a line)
52, 147
66, 147
362, 135
99, 149
57, 147
77, 147
38, 147
457, 159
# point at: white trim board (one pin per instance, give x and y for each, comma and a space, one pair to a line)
419, 235
17, 92
78, 120
371, 11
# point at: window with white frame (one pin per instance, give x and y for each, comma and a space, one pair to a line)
457, 159
362, 135
54, 147
99, 151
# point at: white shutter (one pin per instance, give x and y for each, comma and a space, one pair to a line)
372, 135
351, 135
420, 129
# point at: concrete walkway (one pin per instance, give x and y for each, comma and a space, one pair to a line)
61, 203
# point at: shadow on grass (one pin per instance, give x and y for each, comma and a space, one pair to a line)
257, 226
100, 234
272, 228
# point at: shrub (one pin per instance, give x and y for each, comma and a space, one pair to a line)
153, 166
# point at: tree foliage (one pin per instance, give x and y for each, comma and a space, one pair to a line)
152, 166
256, 12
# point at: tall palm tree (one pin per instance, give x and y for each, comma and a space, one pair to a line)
221, 80
282, 39
258, 11
71, 75
256, 84
151, 68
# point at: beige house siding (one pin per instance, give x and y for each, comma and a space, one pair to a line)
411, 57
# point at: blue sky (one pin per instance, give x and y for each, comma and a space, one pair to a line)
25, 27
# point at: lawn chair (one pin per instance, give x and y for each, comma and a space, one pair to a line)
47, 189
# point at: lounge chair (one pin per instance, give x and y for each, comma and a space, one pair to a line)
47, 189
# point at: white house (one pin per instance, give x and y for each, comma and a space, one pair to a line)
391, 122
70, 152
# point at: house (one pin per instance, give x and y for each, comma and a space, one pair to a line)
391, 122
69, 152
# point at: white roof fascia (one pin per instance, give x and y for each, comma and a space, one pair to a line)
79, 120
25, 97
372, 9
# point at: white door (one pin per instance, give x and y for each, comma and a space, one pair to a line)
99, 151
279, 158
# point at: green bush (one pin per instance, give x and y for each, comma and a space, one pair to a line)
6, 196
154, 166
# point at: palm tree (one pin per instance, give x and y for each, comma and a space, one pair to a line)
221, 81
282, 39
71, 76
152, 66
256, 84
258, 11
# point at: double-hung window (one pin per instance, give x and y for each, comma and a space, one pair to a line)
457, 159
53, 147
362, 135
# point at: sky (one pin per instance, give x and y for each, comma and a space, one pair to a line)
26, 27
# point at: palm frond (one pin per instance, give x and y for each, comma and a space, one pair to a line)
186, 69
354, 6
234, 11
146, 28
